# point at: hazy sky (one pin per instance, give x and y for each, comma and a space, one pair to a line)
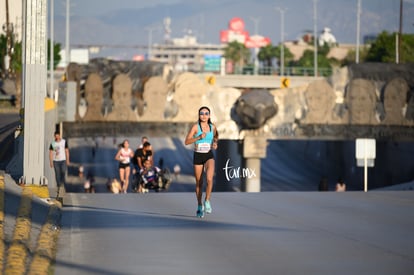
128, 21
99, 7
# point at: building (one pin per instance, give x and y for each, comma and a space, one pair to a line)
185, 54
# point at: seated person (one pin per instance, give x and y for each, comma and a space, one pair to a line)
114, 186
88, 185
149, 175
340, 186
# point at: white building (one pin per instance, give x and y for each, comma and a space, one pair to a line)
327, 37
185, 54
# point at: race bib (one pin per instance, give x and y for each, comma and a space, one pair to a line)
203, 147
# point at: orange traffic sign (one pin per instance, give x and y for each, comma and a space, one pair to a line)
284, 82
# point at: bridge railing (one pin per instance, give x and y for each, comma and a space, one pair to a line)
288, 71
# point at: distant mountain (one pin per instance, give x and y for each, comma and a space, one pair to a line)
206, 19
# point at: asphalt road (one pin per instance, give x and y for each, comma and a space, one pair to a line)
247, 233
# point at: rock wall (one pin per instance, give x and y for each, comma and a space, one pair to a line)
343, 106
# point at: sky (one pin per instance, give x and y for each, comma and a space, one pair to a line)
99, 7
127, 22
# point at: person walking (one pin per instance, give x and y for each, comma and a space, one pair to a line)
124, 156
59, 159
204, 136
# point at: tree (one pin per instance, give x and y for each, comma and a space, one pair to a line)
16, 58
56, 54
351, 56
16, 54
15, 64
237, 53
383, 49
16, 61
266, 54
324, 63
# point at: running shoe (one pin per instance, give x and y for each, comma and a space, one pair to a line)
207, 207
200, 211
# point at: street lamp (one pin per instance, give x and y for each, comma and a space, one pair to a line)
256, 50
150, 30
8, 29
315, 42
67, 46
282, 42
358, 31
52, 49
398, 59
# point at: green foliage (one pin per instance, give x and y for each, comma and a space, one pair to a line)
383, 49
16, 54
56, 54
16, 62
237, 53
266, 54
308, 59
3, 49
351, 56
16, 58
324, 50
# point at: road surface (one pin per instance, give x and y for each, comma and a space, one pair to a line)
247, 233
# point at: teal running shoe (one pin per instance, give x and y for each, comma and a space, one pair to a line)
207, 207
200, 211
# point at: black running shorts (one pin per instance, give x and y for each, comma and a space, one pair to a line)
202, 158
123, 165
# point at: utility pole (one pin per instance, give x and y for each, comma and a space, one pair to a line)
315, 40
282, 41
256, 50
150, 30
399, 56
8, 28
34, 78
52, 50
358, 31
67, 46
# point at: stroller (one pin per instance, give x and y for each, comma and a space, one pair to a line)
152, 179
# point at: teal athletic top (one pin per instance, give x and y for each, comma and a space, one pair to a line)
204, 145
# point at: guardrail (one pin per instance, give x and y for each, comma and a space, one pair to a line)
258, 81
288, 71
10, 98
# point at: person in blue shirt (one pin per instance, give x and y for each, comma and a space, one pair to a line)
204, 136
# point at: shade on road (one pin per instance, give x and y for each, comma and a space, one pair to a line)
247, 233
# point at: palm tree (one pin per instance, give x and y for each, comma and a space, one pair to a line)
237, 53
268, 53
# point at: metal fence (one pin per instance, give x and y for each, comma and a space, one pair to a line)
288, 71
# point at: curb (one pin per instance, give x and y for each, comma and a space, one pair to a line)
19, 248
20, 257
2, 243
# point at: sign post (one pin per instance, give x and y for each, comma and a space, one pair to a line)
365, 155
